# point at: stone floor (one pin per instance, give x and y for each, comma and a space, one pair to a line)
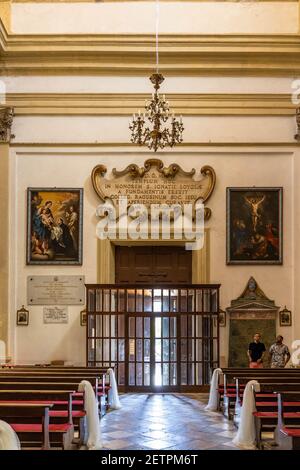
166, 421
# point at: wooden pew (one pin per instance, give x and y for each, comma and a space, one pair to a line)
60, 434
228, 387
287, 433
266, 416
30, 421
59, 376
77, 414
33, 371
266, 402
272, 379
232, 396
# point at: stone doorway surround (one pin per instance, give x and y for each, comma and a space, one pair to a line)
106, 258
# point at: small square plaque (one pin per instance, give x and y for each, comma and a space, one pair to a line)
55, 314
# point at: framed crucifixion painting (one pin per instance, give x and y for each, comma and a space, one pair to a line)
254, 225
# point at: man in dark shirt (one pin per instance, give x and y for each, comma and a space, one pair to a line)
256, 352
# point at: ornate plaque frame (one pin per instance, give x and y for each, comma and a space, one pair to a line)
155, 183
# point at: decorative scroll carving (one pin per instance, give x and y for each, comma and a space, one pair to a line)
6, 120
154, 183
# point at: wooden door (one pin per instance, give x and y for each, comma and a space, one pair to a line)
153, 265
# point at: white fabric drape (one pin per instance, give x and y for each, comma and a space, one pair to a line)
213, 393
8, 438
113, 395
93, 441
245, 437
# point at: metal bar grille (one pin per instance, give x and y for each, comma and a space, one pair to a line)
158, 337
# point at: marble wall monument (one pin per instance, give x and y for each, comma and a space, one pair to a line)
252, 312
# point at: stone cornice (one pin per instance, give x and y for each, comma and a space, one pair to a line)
112, 1
286, 148
125, 104
276, 55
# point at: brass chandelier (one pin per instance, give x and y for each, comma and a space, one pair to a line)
147, 128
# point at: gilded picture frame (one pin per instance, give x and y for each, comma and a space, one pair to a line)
254, 225
285, 317
83, 318
22, 317
54, 226
222, 318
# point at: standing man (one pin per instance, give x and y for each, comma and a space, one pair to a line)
256, 352
279, 354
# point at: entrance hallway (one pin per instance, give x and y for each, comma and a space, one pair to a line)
166, 421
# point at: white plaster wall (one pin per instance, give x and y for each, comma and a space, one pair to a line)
62, 168
176, 17
127, 84
93, 129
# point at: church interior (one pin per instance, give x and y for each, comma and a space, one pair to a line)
149, 267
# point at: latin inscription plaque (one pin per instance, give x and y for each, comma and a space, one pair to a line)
55, 290
154, 183
55, 314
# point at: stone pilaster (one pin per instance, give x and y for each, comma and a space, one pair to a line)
201, 262
4, 227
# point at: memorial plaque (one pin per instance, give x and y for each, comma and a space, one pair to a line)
155, 184
55, 290
56, 315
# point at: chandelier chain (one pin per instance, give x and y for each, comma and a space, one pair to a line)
147, 127
156, 35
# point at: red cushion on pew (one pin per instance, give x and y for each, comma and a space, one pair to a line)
265, 414
273, 414
266, 403
293, 432
38, 427
294, 404
50, 402
64, 427
266, 395
64, 414
26, 427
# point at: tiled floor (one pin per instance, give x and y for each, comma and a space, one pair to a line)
170, 421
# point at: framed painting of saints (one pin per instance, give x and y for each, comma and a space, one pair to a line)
254, 225
54, 226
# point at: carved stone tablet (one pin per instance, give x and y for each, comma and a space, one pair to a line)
55, 290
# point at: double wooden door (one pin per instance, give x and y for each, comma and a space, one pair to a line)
153, 265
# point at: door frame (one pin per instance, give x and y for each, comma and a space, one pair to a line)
106, 258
